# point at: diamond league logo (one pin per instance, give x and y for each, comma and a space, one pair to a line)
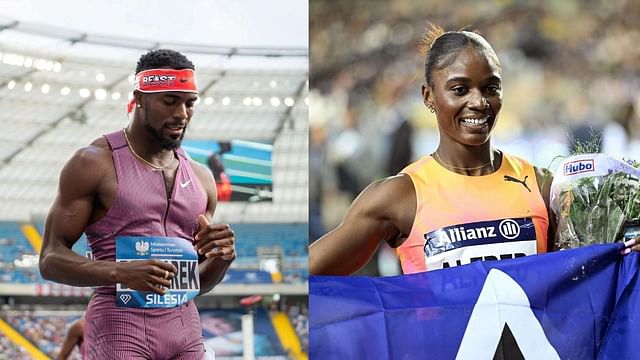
125, 298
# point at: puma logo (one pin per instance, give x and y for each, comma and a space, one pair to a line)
523, 181
184, 185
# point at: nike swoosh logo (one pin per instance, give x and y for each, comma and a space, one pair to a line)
184, 80
183, 185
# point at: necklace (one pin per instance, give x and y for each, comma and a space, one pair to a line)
126, 138
459, 167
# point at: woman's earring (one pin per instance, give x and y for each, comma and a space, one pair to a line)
431, 108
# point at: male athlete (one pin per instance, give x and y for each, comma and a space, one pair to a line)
144, 206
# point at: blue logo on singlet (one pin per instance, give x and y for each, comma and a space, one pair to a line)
478, 233
185, 285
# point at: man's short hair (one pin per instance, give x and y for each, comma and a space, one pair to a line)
164, 58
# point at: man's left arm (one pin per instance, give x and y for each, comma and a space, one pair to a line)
215, 243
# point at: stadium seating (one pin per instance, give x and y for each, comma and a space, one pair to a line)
44, 329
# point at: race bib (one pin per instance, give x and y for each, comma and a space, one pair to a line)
177, 251
485, 240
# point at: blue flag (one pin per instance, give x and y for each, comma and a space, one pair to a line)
572, 304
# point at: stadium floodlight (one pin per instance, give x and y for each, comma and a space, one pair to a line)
19, 60
246, 101
13, 59
273, 84
256, 101
65, 90
100, 94
45, 88
115, 95
226, 100
28, 86
84, 92
208, 100
41, 64
289, 101
28, 62
275, 101
100, 77
57, 67
11, 85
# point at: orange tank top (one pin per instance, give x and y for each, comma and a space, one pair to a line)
460, 219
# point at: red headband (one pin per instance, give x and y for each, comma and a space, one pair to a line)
161, 80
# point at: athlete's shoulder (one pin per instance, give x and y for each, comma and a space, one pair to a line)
199, 169
511, 158
87, 168
395, 183
417, 165
204, 175
386, 193
98, 153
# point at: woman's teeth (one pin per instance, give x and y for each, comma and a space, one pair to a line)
471, 121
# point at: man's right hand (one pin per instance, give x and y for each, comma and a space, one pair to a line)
146, 275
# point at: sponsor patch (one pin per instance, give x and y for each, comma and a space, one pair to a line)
579, 166
485, 240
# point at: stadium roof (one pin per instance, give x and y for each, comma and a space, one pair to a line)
227, 34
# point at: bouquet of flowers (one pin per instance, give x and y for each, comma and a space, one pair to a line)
596, 198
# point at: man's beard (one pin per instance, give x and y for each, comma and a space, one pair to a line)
165, 143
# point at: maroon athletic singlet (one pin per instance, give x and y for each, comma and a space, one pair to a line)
142, 208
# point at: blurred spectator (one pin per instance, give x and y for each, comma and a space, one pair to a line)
617, 135
223, 184
350, 154
317, 164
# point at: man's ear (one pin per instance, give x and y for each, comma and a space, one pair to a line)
138, 97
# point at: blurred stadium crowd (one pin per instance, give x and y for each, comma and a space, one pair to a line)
46, 328
570, 72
